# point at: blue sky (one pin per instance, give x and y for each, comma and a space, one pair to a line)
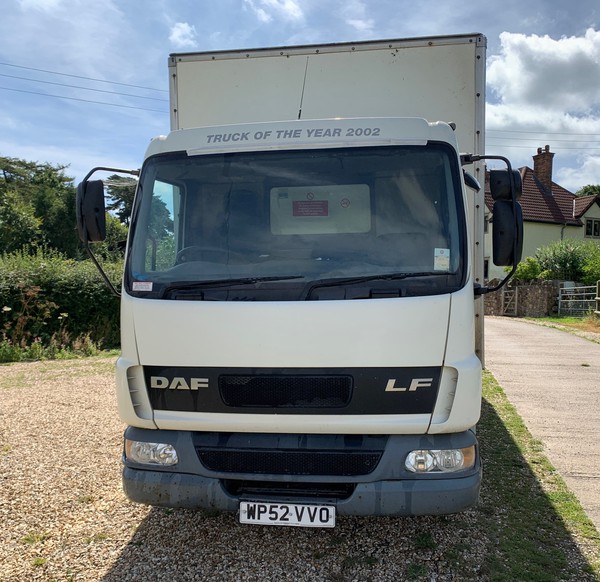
84, 82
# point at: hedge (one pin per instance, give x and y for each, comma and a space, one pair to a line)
46, 298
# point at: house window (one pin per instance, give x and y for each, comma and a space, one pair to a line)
592, 227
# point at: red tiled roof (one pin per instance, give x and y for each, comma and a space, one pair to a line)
584, 203
539, 205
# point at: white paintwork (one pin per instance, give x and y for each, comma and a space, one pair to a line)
369, 85
364, 333
435, 78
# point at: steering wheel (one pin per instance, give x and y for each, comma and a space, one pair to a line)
197, 253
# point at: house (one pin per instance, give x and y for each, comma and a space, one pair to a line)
550, 212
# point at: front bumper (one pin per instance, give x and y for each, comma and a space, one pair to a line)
387, 489
407, 497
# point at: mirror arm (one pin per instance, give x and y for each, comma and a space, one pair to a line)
481, 290
86, 243
107, 169
104, 276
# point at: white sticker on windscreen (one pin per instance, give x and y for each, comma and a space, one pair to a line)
441, 260
142, 286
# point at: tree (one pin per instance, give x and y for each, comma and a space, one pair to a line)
37, 207
113, 247
589, 190
18, 224
121, 190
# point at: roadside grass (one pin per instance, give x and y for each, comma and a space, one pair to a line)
24, 374
540, 517
35, 351
588, 323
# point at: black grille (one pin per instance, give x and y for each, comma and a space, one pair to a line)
285, 391
285, 489
281, 462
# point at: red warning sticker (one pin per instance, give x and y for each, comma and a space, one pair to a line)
310, 208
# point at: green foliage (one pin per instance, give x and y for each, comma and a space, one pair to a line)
528, 270
589, 190
51, 300
565, 260
568, 260
121, 191
18, 223
49, 303
591, 269
37, 207
112, 249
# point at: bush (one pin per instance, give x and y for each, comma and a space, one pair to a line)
49, 303
569, 260
591, 269
528, 270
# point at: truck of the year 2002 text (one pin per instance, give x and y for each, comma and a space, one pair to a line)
301, 297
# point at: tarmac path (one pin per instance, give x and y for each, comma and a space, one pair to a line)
553, 379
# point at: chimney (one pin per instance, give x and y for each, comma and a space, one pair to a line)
542, 167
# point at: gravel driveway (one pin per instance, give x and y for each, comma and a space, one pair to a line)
64, 516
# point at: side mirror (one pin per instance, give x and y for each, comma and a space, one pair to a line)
505, 184
507, 228
506, 187
91, 211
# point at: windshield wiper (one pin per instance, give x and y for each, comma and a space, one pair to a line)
335, 282
214, 283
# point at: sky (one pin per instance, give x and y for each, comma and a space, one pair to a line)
84, 83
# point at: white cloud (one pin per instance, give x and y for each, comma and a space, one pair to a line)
536, 117
574, 178
268, 10
547, 91
355, 15
183, 35
260, 13
361, 25
538, 70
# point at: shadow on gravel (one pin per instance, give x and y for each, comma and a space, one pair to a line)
513, 534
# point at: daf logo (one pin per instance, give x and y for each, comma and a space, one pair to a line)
178, 383
415, 384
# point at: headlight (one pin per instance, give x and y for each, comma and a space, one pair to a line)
440, 461
150, 453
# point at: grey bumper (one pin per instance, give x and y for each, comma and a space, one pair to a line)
397, 497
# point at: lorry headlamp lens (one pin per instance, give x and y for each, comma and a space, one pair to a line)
150, 453
440, 461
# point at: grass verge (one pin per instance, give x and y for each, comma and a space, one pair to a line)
540, 530
589, 323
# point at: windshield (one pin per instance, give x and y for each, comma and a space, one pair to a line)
287, 225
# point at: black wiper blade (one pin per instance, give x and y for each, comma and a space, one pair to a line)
214, 283
339, 281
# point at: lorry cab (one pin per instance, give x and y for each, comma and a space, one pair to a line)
299, 305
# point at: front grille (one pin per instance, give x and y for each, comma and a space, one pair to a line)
285, 391
282, 462
258, 489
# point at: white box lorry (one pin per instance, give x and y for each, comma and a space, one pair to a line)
300, 297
